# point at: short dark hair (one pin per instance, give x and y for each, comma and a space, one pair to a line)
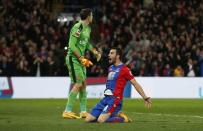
118, 52
84, 13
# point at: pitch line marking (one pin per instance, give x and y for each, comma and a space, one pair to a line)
161, 114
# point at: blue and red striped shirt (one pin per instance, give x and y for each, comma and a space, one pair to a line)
117, 79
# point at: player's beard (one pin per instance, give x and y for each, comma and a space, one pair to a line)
112, 60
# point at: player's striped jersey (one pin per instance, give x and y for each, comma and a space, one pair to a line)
117, 79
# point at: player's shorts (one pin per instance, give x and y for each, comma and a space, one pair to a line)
77, 72
109, 104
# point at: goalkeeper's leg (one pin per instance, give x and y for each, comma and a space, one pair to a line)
77, 75
71, 100
83, 100
72, 96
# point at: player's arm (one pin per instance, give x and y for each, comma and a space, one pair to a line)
94, 51
72, 45
141, 92
138, 88
128, 75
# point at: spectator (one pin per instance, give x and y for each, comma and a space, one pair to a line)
178, 71
157, 37
167, 70
190, 70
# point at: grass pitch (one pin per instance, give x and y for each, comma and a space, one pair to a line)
45, 115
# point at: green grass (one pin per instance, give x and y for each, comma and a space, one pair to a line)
45, 115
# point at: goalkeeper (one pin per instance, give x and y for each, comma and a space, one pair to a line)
77, 63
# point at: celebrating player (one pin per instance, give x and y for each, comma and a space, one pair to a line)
77, 63
107, 110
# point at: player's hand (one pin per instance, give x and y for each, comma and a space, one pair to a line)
148, 102
85, 62
97, 54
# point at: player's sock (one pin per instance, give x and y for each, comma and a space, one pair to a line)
71, 99
115, 119
83, 100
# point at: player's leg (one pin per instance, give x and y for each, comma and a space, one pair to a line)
72, 97
96, 111
71, 100
124, 116
90, 118
109, 118
118, 117
83, 98
108, 109
103, 117
109, 113
74, 73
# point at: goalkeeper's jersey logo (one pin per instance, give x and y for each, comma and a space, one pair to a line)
77, 33
83, 42
79, 30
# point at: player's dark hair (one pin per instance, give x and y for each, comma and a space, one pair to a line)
118, 52
85, 13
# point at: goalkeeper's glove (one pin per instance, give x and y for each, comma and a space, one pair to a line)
97, 54
85, 62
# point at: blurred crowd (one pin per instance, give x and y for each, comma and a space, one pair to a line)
31, 40
158, 38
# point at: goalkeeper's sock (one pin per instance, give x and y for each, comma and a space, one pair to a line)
71, 99
83, 100
115, 119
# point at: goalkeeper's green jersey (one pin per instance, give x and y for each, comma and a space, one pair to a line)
79, 39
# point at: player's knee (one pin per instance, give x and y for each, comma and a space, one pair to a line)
76, 87
101, 120
90, 118
87, 119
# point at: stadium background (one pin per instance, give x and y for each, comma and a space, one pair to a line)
162, 43
158, 38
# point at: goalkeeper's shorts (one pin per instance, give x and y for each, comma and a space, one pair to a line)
77, 71
109, 104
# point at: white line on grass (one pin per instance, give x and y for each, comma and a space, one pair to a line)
161, 114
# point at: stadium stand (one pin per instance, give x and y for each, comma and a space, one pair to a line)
159, 38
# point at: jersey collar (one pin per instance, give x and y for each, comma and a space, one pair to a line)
83, 24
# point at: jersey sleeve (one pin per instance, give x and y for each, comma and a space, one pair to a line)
76, 31
127, 73
89, 46
72, 43
74, 36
